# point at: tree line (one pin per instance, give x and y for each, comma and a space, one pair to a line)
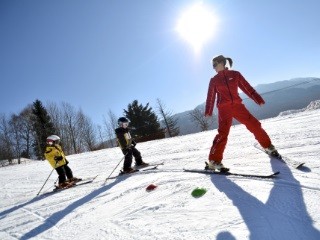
23, 135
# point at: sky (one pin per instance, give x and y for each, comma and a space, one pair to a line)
101, 55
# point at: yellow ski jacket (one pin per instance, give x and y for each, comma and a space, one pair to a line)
53, 153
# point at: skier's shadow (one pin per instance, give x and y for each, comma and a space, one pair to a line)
56, 217
282, 216
22, 205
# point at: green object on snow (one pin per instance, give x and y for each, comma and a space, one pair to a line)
198, 192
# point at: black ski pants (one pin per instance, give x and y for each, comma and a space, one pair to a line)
129, 153
63, 172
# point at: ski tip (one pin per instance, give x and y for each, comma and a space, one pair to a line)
300, 165
276, 173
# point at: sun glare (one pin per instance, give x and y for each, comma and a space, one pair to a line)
197, 24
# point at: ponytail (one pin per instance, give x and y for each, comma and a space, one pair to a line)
223, 59
230, 61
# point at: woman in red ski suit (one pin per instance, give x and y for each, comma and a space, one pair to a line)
224, 88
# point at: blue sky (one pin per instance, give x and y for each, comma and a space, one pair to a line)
100, 55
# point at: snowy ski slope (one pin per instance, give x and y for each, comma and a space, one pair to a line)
233, 207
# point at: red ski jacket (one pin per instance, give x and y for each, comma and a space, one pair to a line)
225, 85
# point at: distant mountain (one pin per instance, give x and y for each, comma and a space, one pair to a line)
280, 96
312, 106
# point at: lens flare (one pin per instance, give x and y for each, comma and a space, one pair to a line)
197, 25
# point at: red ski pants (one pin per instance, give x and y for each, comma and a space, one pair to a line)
240, 113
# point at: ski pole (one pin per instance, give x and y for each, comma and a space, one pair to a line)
115, 168
56, 181
45, 182
47, 178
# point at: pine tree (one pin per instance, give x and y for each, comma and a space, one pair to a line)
42, 126
144, 122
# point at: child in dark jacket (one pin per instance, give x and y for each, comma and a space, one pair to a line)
127, 145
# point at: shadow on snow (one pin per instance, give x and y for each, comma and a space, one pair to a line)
283, 216
22, 205
56, 217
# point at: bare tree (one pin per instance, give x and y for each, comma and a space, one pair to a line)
110, 126
101, 141
6, 151
70, 124
15, 132
77, 132
197, 116
86, 128
17, 135
56, 115
23, 134
169, 121
21, 131
26, 131
62, 123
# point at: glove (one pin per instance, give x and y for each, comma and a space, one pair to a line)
133, 143
58, 158
257, 98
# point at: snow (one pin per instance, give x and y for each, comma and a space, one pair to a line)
233, 207
312, 106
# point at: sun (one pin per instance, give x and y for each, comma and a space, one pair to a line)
197, 25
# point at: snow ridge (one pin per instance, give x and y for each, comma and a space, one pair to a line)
314, 105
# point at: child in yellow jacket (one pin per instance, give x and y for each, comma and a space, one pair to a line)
58, 161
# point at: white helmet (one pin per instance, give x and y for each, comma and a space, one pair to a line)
53, 139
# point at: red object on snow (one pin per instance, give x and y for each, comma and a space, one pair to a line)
151, 187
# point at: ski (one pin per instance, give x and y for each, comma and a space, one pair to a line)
79, 183
148, 165
147, 168
74, 185
230, 173
286, 160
